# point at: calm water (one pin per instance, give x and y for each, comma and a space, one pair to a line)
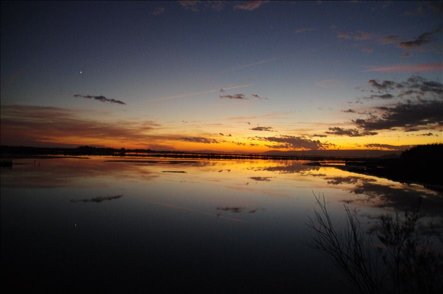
125, 225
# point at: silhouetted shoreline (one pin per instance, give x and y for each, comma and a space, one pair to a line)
416, 165
419, 165
27, 152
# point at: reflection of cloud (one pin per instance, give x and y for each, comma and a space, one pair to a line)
96, 199
261, 179
100, 98
236, 209
400, 198
346, 180
52, 173
291, 168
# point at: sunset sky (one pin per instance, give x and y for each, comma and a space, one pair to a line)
248, 76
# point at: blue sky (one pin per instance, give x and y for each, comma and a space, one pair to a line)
304, 61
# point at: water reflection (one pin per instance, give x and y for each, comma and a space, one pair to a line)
237, 224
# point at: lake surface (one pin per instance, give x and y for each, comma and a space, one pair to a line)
131, 225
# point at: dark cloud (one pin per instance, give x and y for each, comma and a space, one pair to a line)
294, 142
319, 135
199, 140
428, 134
257, 96
349, 132
265, 129
382, 96
384, 85
413, 87
349, 110
406, 116
421, 40
238, 96
249, 5
100, 98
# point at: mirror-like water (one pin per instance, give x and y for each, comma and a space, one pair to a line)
131, 225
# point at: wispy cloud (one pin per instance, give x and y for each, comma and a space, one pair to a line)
408, 45
251, 64
190, 4
249, 5
412, 68
387, 147
198, 93
100, 98
158, 11
197, 6
355, 36
37, 125
303, 30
